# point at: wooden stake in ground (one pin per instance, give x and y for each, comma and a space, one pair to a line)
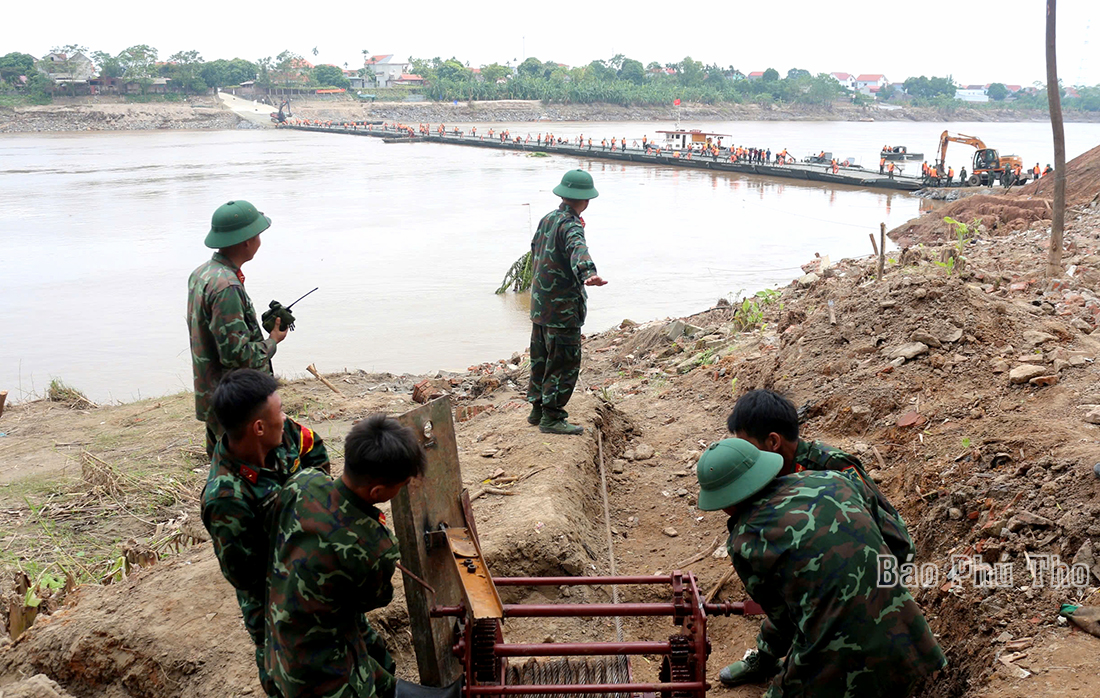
313, 369
1054, 98
3, 399
881, 248
718, 587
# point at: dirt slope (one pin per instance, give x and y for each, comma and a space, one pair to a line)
1082, 180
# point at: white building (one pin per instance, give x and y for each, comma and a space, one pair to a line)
386, 70
972, 93
64, 68
846, 80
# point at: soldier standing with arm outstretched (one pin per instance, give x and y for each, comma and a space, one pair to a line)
562, 268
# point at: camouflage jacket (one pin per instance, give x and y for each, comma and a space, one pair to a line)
238, 497
334, 560
225, 333
814, 455
560, 266
806, 549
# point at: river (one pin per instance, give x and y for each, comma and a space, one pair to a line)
98, 233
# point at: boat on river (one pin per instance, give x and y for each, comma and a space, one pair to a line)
690, 140
900, 153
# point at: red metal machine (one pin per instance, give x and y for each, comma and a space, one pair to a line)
457, 615
484, 654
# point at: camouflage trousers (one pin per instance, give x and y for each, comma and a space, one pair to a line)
252, 608
555, 365
773, 640
382, 666
214, 431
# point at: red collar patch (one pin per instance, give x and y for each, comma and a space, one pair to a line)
249, 474
240, 275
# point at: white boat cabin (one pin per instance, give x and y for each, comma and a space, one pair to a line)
690, 140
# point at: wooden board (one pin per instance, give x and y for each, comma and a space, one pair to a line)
420, 507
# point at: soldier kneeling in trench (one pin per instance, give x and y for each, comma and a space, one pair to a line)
806, 546
334, 560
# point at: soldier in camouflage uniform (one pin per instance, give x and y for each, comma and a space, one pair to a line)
225, 333
561, 270
806, 547
769, 421
260, 450
333, 561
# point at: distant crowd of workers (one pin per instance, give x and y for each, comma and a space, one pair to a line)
932, 175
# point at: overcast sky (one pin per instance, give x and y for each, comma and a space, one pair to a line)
976, 42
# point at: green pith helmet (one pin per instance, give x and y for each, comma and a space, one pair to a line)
235, 222
732, 470
576, 184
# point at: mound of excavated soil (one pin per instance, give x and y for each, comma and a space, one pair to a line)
997, 213
1082, 180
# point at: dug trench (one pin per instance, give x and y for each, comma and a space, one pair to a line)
964, 380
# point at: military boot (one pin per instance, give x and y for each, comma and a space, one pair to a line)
754, 667
559, 426
536, 414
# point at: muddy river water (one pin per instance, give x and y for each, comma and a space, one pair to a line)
98, 233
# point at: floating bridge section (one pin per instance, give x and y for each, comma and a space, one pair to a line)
849, 176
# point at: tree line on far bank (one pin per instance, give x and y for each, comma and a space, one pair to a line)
617, 80
188, 72
621, 80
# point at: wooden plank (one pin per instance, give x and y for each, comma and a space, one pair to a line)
420, 508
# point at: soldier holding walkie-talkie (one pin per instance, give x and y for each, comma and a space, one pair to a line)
225, 332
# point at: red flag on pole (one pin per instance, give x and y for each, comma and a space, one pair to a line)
676, 103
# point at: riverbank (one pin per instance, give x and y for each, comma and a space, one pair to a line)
112, 114
967, 388
94, 114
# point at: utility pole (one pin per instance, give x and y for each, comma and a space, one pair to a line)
1054, 98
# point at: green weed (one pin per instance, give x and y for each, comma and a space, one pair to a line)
749, 314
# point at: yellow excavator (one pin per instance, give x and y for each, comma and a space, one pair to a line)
988, 165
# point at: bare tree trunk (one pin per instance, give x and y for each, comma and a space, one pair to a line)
1054, 260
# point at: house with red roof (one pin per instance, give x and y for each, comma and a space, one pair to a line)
846, 80
755, 75
865, 82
